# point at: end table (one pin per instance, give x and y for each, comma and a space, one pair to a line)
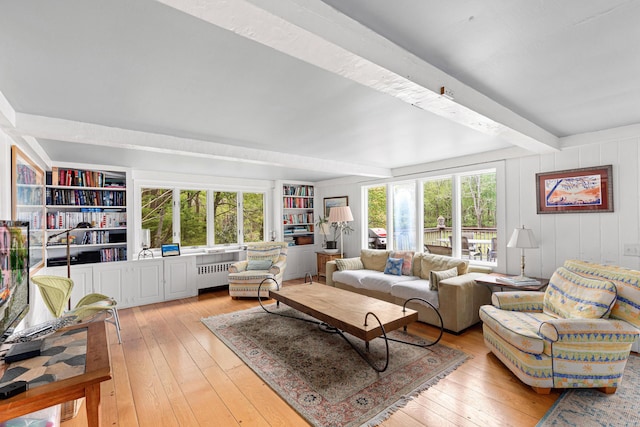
322, 259
490, 281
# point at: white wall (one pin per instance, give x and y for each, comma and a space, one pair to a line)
5, 176
595, 237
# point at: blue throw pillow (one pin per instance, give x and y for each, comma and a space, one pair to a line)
394, 266
259, 264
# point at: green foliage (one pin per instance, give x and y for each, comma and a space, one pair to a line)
253, 217
157, 214
225, 217
377, 201
193, 217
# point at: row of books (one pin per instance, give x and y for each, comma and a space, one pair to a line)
301, 218
97, 219
298, 190
297, 203
60, 197
83, 178
34, 219
113, 254
29, 196
26, 175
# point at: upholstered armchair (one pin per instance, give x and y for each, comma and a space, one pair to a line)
265, 260
576, 334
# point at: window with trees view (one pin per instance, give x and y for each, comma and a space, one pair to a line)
458, 214
237, 217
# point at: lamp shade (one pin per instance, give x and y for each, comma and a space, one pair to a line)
340, 214
522, 238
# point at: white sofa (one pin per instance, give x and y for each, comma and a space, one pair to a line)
458, 299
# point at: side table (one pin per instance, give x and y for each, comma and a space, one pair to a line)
322, 259
490, 281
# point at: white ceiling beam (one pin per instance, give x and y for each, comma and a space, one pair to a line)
313, 32
55, 129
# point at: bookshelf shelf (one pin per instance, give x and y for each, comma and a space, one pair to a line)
96, 199
298, 214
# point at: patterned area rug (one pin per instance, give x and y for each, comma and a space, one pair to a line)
321, 376
587, 408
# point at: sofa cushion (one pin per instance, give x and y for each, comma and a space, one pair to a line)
351, 277
415, 289
570, 295
393, 266
439, 263
407, 265
627, 305
436, 276
378, 281
374, 259
518, 328
349, 264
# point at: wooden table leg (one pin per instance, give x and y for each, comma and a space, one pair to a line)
92, 404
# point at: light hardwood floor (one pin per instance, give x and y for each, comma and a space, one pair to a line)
170, 370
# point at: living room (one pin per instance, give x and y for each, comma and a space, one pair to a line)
59, 116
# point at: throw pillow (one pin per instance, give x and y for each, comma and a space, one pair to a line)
374, 259
570, 295
259, 264
438, 263
349, 264
394, 266
436, 276
270, 253
407, 264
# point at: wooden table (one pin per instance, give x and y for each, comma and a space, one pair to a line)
344, 311
97, 370
491, 281
322, 259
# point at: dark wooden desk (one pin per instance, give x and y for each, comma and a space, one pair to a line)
87, 385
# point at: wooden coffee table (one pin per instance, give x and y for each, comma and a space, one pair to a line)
341, 311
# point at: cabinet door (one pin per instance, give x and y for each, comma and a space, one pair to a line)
82, 277
112, 279
179, 277
300, 261
147, 281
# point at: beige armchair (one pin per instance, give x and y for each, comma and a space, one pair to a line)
265, 260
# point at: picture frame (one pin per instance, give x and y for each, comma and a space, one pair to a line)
575, 190
170, 249
330, 202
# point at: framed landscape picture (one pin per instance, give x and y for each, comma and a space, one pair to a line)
331, 202
575, 190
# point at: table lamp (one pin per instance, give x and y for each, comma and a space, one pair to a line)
522, 238
340, 215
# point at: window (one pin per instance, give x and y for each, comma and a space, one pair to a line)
404, 216
253, 217
205, 217
456, 213
157, 214
193, 217
377, 216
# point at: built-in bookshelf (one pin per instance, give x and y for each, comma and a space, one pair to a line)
93, 206
298, 214
28, 202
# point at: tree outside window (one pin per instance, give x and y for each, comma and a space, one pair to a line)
225, 210
193, 217
157, 214
252, 217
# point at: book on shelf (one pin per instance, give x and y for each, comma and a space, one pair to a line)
518, 281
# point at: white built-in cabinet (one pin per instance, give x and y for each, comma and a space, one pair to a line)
300, 261
147, 281
180, 277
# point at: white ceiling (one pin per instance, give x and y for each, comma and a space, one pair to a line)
295, 89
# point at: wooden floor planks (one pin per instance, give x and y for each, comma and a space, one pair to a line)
170, 370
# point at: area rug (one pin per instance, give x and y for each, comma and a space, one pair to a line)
588, 408
321, 376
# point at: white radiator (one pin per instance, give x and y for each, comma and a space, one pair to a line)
212, 275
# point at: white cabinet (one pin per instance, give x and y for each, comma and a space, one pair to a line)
300, 261
147, 281
179, 277
82, 276
112, 279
